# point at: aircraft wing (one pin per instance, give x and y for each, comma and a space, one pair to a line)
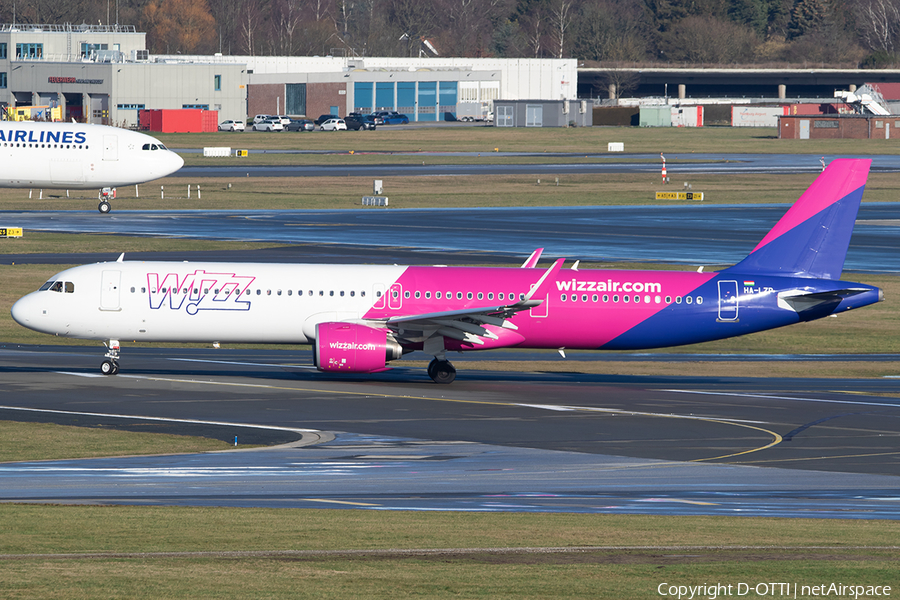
468, 324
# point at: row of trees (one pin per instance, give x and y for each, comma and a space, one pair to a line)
863, 32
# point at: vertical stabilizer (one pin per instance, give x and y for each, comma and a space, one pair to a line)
812, 238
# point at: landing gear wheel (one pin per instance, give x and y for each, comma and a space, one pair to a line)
104, 207
441, 371
109, 367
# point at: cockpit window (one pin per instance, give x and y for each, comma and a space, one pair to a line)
59, 286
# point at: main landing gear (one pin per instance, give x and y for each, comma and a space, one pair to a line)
106, 194
110, 366
441, 371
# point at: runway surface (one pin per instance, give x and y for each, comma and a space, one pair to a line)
491, 441
690, 235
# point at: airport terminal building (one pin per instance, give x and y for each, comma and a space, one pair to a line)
104, 74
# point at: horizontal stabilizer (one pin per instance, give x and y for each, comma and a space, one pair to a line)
815, 305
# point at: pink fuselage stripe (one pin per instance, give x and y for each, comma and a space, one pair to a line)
585, 322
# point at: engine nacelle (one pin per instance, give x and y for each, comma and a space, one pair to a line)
353, 348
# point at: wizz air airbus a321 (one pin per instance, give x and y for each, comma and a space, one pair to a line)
358, 318
76, 156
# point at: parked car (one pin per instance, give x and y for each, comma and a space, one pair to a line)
231, 125
301, 125
261, 118
283, 118
393, 118
334, 125
269, 125
357, 122
376, 119
323, 118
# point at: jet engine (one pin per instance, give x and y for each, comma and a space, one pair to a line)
353, 348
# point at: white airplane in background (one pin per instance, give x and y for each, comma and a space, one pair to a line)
78, 156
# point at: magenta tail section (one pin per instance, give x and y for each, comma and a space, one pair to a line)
812, 238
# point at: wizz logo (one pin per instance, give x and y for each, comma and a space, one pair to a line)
198, 291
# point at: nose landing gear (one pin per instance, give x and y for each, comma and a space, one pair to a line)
110, 366
106, 194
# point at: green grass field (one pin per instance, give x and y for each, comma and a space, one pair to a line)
74, 552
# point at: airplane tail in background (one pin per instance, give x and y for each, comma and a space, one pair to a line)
812, 238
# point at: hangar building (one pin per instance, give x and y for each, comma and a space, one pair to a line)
104, 74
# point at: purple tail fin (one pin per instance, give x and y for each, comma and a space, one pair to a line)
812, 238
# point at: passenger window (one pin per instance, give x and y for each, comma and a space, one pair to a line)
352, 293
418, 295
500, 296
362, 294
606, 297
594, 298
480, 296
699, 299
132, 290
615, 297
459, 295
490, 295
342, 293
689, 300
437, 295
469, 296
563, 297
677, 299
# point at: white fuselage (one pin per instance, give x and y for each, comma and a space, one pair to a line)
203, 302
79, 156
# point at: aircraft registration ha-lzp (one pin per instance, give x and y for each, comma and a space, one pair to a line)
358, 318
80, 156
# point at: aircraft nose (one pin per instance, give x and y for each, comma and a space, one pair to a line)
23, 311
177, 161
